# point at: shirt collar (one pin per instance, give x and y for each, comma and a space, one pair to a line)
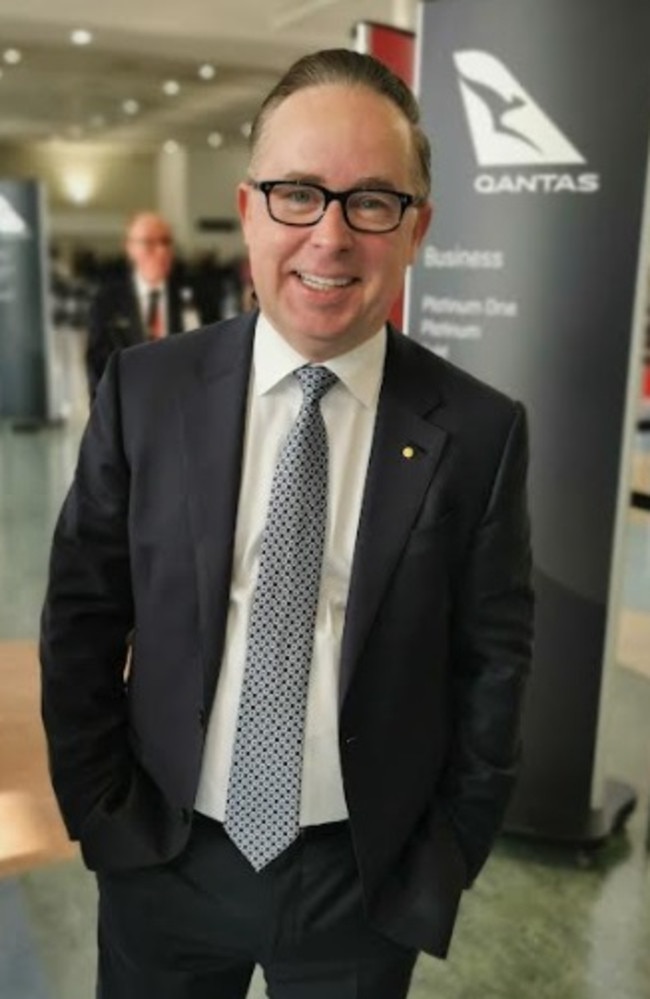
143, 289
360, 369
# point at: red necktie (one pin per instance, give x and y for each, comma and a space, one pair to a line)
154, 316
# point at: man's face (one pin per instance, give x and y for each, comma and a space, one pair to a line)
327, 288
149, 248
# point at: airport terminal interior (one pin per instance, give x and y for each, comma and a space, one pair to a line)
544, 920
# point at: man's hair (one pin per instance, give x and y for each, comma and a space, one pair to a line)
342, 66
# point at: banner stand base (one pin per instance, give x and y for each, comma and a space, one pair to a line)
590, 829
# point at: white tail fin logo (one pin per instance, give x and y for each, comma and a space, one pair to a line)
507, 127
11, 224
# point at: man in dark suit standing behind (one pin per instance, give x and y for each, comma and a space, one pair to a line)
146, 303
288, 623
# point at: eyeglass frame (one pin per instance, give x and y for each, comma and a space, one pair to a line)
151, 242
406, 201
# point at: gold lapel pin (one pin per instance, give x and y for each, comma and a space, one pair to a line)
408, 452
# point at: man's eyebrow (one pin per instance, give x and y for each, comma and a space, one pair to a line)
376, 182
361, 183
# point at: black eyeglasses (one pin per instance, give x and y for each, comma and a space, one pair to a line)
153, 242
292, 202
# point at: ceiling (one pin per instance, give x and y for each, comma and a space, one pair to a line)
80, 93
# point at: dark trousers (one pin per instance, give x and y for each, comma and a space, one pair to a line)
196, 928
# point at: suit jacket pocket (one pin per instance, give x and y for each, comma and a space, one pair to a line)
133, 828
418, 903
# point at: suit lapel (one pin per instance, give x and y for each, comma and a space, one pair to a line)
132, 307
395, 486
174, 307
213, 406
124, 323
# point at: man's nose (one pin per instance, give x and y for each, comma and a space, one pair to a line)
332, 227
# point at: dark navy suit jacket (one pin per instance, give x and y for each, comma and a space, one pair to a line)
437, 637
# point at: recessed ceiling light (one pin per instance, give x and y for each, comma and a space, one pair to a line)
81, 37
215, 139
246, 129
171, 87
79, 185
207, 71
171, 146
12, 56
130, 106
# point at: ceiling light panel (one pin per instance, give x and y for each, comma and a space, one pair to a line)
80, 36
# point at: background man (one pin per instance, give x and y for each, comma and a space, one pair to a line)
147, 302
314, 532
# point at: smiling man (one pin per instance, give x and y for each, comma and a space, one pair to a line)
328, 283
288, 621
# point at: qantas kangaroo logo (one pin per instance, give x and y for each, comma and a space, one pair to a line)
506, 125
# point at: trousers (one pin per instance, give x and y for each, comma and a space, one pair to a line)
196, 928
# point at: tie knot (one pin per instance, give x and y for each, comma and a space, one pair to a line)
315, 381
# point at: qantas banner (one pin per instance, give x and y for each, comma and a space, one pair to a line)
24, 336
539, 117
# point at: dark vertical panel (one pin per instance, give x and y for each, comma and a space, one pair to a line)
539, 117
23, 342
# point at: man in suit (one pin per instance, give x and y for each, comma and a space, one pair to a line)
148, 302
284, 728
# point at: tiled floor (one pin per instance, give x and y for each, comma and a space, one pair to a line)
541, 923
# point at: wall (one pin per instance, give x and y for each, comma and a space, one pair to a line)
91, 190
212, 182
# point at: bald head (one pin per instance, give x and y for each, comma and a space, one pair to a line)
149, 247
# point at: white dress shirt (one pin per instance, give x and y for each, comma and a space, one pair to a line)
349, 410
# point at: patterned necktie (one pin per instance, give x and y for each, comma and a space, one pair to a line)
154, 316
263, 804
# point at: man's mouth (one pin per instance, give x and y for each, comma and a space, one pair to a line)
321, 283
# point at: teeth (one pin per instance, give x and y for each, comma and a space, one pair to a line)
313, 281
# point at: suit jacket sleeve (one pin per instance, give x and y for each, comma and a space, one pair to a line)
492, 638
86, 621
99, 346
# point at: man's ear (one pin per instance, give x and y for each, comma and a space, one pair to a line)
425, 214
243, 206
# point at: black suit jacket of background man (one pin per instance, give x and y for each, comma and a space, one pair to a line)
437, 634
115, 319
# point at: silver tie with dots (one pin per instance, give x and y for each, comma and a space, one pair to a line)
263, 804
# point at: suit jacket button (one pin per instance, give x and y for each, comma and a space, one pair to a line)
202, 718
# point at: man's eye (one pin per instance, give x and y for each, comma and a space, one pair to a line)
369, 202
298, 196
302, 196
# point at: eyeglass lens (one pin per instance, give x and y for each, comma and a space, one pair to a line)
150, 244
